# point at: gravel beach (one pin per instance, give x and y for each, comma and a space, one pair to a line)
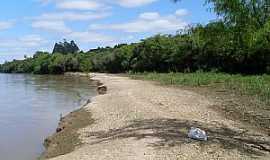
140, 120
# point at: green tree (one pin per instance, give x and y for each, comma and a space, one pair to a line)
57, 64
41, 63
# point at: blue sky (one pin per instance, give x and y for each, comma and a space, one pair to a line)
30, 25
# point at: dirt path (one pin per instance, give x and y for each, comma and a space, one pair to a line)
138, 120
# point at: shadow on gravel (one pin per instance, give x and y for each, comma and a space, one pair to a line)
173, 132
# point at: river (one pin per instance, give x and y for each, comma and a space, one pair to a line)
30, 109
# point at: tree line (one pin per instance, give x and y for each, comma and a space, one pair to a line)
239, 42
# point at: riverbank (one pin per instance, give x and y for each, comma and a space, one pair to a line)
141, 120
243, 98
66, 137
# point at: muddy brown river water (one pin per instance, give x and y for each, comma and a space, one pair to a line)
30, 108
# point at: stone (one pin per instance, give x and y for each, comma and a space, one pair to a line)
102, 89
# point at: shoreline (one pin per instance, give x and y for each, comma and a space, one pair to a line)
140, 120
66, 136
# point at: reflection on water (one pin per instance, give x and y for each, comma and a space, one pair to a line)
30, 107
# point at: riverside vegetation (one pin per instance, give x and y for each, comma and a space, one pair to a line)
237, 42
258, 86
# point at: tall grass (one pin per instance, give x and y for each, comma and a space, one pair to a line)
258, 86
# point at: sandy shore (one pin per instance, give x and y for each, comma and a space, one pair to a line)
138, 120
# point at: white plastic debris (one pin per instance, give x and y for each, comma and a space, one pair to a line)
197, 134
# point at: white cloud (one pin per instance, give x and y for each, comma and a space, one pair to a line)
6, 25
16, 48
89, 37
134, 3
96, 4
79, 5
147, 22
71, 16
181, 12
52, 26
65, 32
149, 16
32, 40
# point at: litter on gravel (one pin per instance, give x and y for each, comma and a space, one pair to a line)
197, 134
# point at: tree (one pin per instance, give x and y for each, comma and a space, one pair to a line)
41, 63
57, 64
66, 47
71, 63
237, 43
241, 12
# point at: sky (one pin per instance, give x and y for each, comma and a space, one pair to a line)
35, 25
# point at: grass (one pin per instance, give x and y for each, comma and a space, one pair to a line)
241, 98
257, 86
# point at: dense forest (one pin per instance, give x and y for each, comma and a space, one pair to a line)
237, 42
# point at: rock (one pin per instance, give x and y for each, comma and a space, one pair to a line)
47, 142
102, 89
59, 129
